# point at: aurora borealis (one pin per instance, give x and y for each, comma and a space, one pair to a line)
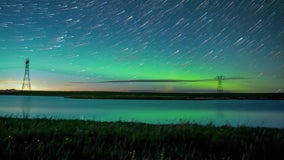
76, 45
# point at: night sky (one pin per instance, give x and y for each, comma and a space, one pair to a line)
143, 45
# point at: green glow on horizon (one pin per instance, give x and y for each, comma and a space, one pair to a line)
123, 41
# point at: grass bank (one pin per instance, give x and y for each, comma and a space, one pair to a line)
75, 139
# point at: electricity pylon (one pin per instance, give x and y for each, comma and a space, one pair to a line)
220, 87
27, 81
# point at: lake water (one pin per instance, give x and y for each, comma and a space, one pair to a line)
264, 113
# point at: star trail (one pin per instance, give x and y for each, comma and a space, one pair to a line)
157, 45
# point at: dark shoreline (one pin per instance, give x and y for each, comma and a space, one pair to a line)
148, 95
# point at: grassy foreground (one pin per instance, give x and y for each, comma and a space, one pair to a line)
75, 139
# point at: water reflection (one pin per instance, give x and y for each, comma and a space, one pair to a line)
26, 106
233, 112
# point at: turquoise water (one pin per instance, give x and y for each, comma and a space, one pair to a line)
263, 113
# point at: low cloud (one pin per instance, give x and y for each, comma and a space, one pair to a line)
155, 81
161, 80
169, 80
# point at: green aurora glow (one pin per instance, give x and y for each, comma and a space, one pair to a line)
72, 45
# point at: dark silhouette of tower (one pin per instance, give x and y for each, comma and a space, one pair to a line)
26, 81
220, 87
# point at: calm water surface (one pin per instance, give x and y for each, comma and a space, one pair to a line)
264, 113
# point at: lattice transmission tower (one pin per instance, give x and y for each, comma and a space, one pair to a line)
27, 81
220, 87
